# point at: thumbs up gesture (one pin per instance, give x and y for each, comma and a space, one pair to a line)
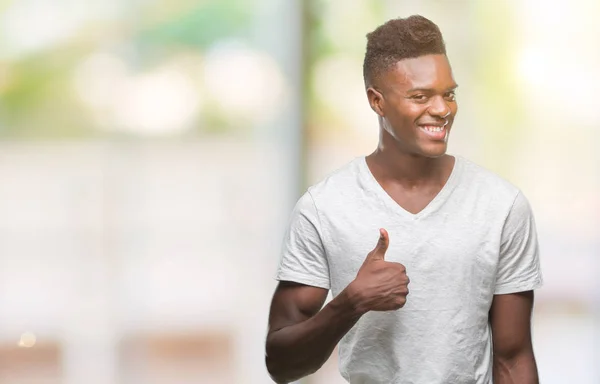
379, 285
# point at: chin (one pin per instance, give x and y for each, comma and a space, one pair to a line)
436, 155
434, 152
430, 146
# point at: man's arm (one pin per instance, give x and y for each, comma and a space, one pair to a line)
301, 336
510, 319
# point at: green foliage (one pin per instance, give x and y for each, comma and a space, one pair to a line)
38, 99
200, 26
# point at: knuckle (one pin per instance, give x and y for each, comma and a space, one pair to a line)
399, 267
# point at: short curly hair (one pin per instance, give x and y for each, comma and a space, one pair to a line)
400, 39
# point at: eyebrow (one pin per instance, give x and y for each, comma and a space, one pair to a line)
452, 88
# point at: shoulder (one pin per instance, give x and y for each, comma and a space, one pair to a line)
339, 183
330, 192
483, 181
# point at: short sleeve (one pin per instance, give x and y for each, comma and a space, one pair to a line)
519, 265
303, 258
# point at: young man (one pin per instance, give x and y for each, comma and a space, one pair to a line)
466, 238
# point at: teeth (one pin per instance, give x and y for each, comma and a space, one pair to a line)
432, 128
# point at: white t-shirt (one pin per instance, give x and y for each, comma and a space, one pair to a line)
476, 238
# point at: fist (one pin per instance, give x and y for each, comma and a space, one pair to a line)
379, 285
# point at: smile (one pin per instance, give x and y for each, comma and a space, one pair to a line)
435, 132
432, 128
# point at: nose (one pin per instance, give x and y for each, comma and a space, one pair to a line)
439, 107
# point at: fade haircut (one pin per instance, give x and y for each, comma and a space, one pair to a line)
400, 39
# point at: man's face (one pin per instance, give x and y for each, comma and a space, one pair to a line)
416, 101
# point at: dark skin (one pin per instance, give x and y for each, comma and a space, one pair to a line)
302, 336
510, 320
416, 106
410, 165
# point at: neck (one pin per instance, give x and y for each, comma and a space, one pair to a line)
412, 170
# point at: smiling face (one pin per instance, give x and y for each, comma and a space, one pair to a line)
416, 104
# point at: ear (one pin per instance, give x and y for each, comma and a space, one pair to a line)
375, 100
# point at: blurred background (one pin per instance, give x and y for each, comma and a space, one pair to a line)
151, 152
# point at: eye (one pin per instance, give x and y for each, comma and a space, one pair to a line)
450, 96
419, 97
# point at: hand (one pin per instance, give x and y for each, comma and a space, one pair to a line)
379, 285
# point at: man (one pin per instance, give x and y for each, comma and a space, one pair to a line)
466, 238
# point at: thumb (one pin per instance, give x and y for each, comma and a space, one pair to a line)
378, 253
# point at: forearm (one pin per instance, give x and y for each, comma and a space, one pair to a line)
518, 369
301, 349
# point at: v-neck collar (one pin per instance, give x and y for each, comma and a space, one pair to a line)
433, 205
